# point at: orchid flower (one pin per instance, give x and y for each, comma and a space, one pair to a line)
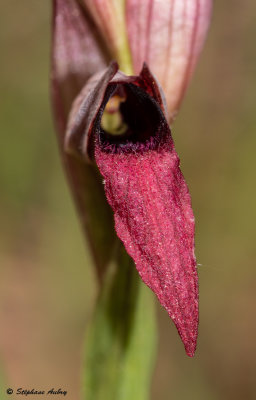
114, 128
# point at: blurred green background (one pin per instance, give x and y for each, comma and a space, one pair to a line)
47, 286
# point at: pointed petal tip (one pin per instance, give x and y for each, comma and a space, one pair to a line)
114, 65
189, 339
186, 321
190, 353
190, 348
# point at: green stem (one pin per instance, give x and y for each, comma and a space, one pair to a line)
121, 340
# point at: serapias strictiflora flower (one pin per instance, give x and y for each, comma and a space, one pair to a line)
143, 185
118, 125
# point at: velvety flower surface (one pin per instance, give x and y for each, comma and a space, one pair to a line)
144, 186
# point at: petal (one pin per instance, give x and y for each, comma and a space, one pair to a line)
169, 36
84, 111
147, 192
154, 219
76, 55
109, 16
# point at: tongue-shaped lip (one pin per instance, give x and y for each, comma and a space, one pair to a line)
145, 188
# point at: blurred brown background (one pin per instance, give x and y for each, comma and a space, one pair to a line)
47, 287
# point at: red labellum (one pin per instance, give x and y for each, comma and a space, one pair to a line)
145, 188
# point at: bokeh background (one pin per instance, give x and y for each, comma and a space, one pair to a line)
47, 285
